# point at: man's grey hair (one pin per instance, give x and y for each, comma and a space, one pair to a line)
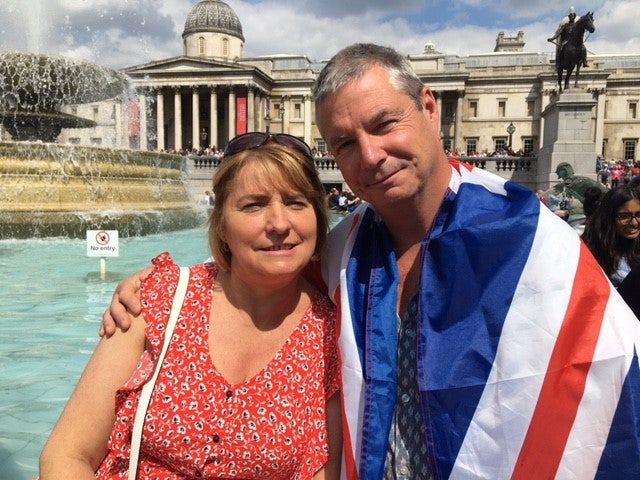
352, 62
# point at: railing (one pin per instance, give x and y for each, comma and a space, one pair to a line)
521, 170
501, 164
202, 161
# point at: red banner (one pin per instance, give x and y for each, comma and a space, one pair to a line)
134, 119
241, 115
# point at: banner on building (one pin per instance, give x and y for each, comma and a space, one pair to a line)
241, 115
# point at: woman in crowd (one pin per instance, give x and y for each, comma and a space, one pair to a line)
248, 385
612, 233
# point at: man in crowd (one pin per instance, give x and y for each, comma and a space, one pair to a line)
479, 338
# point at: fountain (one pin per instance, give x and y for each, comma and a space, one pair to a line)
48, 189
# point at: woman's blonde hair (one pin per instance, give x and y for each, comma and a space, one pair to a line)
283, 168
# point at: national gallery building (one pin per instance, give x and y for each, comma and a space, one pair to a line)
487, 101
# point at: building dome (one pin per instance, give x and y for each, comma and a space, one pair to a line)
213, 16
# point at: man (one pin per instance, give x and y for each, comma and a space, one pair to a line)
561, 33
479, 338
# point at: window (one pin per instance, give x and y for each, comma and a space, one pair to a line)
605, 142
446, 144
297, 110
606, 109
472, 146
630, 149
527, 146
96, 111
225, 47
322, 146
502, 108
500, 143
531, 108
96, 141
74, 140
74, 110
633, 110
473, 108
201, 45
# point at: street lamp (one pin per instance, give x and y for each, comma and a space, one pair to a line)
511, 129
267, 122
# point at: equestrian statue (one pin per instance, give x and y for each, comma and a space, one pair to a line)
570, 50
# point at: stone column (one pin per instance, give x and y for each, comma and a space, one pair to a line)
286, 104
458, 122
177, 120
160, 121
195, 118
546, 98
119, 121
601, 97
257, 109
232, 113
251, 119
144, 143
213, 120
307, 120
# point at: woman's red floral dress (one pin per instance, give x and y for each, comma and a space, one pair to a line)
198, 425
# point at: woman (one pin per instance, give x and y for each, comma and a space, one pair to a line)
612, 232
248, 384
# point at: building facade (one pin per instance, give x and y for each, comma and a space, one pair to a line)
488, 102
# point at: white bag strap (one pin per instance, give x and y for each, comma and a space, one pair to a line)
145, 394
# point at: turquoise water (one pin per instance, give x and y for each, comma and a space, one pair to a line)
51, 305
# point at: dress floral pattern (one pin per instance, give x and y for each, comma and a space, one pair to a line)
198, 425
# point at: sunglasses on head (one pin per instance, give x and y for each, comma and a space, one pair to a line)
252, 140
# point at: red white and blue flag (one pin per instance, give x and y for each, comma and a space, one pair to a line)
527, 358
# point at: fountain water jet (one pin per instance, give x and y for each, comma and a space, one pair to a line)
48, 189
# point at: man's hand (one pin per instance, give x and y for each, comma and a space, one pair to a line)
125, 304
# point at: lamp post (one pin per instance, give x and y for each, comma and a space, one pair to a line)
267, 117
511, 129
267, 122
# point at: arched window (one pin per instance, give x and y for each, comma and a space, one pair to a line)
201, 45
225, 47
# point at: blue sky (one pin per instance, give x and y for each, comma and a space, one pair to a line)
120, 33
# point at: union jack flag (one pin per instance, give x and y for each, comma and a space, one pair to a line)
527, 362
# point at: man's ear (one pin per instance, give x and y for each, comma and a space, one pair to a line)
429, 104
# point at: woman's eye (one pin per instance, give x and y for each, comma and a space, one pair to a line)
298, 204
250, 207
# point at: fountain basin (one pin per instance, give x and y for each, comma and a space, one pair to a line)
51, 190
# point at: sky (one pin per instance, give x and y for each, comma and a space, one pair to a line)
123, 33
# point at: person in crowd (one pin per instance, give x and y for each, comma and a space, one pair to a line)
209, 199
470, 315
333, 199
617, 172
592, 197
248, 386
612, 233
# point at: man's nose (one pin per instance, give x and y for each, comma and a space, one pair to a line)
371, 151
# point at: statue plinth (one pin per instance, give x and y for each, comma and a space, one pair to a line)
568, 136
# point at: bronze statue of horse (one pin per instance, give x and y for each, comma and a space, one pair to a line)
572, 51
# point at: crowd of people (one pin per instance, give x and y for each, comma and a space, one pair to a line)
613, 173
451, 327
342, 202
